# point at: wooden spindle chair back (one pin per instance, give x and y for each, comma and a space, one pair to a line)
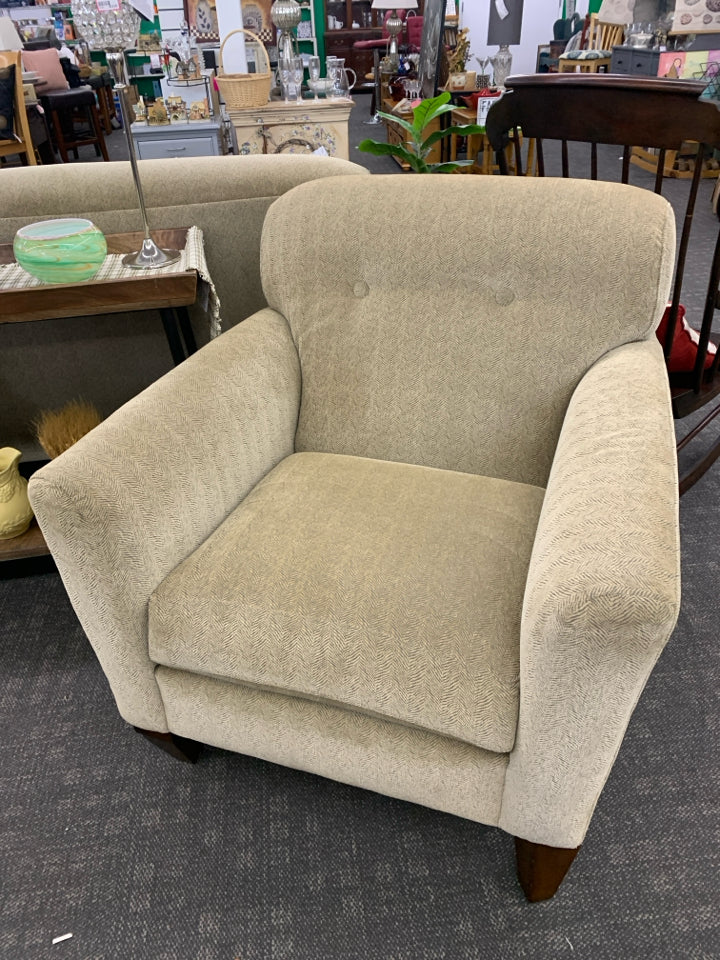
602, 35
22, 145
628, 112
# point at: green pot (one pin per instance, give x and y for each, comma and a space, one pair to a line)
60, 251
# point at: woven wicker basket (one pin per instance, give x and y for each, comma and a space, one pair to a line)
240, 90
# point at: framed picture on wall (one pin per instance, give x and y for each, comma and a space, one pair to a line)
202, 20
693, 17
256, 17
430, 46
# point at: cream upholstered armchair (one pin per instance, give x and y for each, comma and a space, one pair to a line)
413, 526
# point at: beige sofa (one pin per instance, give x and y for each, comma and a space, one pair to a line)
413, 526
109, 359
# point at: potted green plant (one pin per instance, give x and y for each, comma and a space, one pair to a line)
416, 149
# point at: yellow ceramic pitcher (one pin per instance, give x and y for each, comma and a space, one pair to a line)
15, 510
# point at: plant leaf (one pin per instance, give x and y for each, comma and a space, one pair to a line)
465, 130
426, 111
386, 149
449, 166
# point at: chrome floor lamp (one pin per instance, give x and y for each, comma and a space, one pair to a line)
113, 27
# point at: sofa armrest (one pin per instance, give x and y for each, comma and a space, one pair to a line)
602, 594
122, 507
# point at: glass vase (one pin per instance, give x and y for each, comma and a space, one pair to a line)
502, 64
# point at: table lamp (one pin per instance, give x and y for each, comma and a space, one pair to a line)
394, 24
114, 29
504, 28
286, 15
9, 37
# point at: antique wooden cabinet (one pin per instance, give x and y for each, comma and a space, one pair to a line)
301, 127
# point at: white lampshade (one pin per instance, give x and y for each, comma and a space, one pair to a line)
397, 5
9, 37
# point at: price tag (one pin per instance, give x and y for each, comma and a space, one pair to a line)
107, 6
483, 107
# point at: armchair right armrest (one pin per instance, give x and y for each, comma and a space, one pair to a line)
123, 506
602, 595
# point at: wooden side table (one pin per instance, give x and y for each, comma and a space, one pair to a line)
170, 294
478, 143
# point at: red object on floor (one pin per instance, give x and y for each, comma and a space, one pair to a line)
685, 343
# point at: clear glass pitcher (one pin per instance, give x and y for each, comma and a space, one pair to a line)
337, 73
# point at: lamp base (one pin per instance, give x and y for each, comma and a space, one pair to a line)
150, 257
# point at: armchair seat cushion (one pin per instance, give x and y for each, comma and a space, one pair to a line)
394, 590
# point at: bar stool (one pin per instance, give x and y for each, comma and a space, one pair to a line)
103, 87
62, 105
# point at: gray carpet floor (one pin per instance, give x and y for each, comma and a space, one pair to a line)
139, 856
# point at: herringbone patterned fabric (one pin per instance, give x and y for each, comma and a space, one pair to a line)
392, 758
602, 596
119, 514
315, 589
389, 588
450, 327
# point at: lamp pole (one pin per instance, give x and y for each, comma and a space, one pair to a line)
149, 256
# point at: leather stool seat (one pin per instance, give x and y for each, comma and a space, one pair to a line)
61, 105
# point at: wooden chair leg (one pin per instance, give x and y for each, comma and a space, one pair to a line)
98, 132
59, 136
104, 109
541, 869
179, 747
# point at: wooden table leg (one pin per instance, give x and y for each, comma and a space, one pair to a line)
170, 325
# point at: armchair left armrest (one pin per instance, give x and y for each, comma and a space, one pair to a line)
602, 595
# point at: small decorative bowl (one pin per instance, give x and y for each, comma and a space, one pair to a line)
60, 251
323, 85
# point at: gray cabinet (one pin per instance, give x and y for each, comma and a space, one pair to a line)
635, 60
201, 139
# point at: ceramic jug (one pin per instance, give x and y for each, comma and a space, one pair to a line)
15, 510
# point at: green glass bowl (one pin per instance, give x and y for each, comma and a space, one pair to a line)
60, 251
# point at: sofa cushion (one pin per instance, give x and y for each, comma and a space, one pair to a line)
47, 64
392, 589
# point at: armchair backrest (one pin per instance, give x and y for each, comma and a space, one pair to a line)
435, 317
414, 28
15, 137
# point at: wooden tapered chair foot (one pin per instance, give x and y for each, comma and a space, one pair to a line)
541, 869
179, 747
